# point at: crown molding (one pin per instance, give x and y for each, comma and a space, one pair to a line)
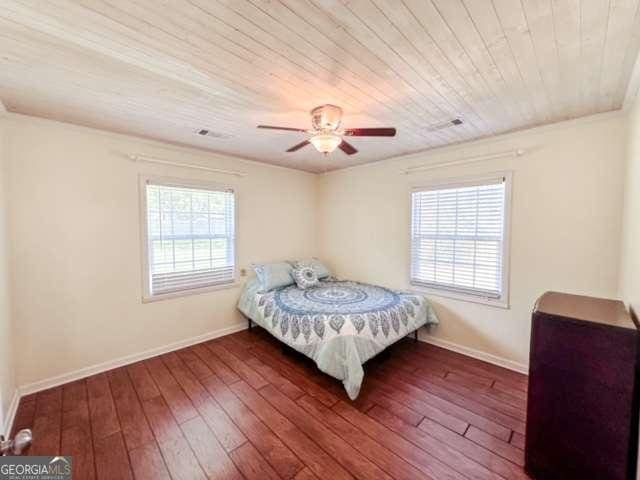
434, 153
208, 155
171, 147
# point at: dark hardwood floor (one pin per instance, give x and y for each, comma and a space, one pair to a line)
238, 407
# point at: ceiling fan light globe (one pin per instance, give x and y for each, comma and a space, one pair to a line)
325, 143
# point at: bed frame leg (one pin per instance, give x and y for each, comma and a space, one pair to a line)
250, 323
415, 335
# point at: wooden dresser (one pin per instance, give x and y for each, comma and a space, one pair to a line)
582, 414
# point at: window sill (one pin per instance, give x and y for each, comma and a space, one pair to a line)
465, 297
185, 293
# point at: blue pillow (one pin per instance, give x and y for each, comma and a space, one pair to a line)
273, 275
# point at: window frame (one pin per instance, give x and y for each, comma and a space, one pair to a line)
503, 300
143, 181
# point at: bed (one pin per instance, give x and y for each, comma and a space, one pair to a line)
338, 324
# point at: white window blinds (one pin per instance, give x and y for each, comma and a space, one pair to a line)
457, 238
190, 237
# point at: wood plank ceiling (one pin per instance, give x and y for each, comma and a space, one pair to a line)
164, 69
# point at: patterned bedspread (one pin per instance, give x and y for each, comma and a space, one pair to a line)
339, 324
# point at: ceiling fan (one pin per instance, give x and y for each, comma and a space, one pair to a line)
327, 134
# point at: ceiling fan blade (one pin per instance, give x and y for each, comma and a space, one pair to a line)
271, 127
347, 148
370, 132
298, 146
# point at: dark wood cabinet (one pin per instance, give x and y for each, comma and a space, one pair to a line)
582, 413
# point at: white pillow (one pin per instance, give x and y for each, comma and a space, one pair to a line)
321, 270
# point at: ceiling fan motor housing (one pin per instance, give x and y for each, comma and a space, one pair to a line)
326, 117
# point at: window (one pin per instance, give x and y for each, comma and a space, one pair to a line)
458, 239
189, 238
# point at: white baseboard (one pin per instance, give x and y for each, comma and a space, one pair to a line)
119, 362
477, 354
11, 413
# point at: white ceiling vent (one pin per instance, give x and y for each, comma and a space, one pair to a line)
442, 125
209, 133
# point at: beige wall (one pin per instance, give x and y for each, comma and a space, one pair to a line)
76, 260
630, 255
630, 258
75, 234
7, 377
565, 227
